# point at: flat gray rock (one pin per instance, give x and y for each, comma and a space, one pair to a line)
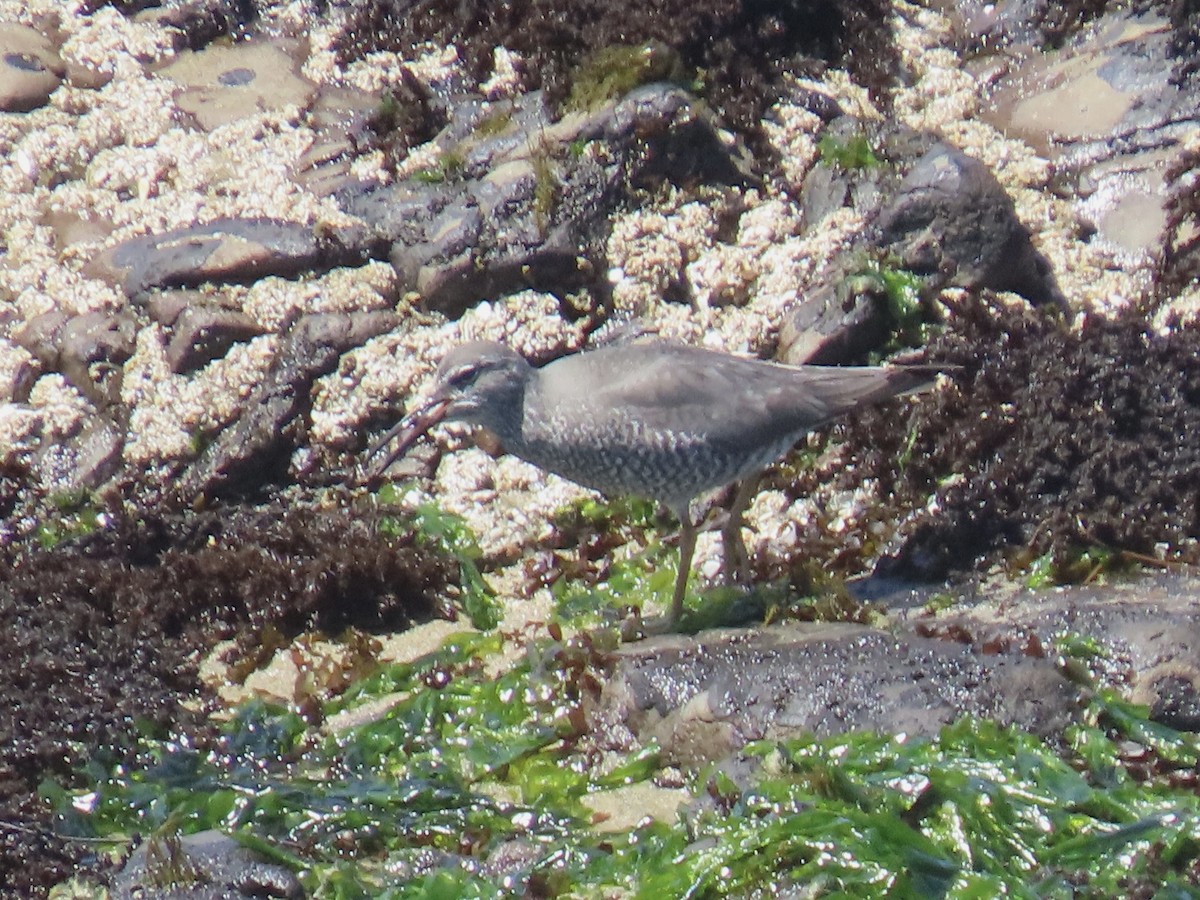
1109, 111
222, 82
207, 865
704, 698
229, 250
30, 68
1150, 630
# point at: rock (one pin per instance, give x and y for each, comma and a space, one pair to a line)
204, 333
227, 82
987, 25
207, 865
948, 222
1106, 109
520, 202
252, 450
83, 461
42, 335
1151, 628
200, 22
99, 447
483, 132
952, 219
818, 102
30, 68
88, 350
324, 169
1181, 263
93, 348
835, 325
87, 77
832, 184
850, 312
666, 135
71, 228
401, 214
18, 373
823, 192
1176, 700
229, 250
703, 698
165, 307
97, 450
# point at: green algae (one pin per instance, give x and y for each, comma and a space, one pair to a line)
466, 762
547, 184
496, 122
75, 515
448, 166
614, 71
449, 534
598, 587
851, 153
901, 293
1072, 564
484, 751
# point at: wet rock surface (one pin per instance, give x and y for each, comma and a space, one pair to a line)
1149, 629
704, 699
107, 629
1108, 109
216, 866
214, 264
982, 26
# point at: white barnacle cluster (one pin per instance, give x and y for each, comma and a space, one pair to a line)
529, 321
111, 44
170, 411
508, 503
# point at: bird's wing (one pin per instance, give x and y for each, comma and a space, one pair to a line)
685, 390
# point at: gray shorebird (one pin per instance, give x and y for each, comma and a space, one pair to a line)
650, 419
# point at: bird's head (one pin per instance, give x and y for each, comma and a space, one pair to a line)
479, 383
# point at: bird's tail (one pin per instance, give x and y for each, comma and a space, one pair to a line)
841, 389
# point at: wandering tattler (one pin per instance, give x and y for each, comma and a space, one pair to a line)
648, 418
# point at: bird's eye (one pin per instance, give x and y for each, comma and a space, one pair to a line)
462, 376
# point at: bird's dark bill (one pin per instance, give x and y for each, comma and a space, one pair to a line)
407, 433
